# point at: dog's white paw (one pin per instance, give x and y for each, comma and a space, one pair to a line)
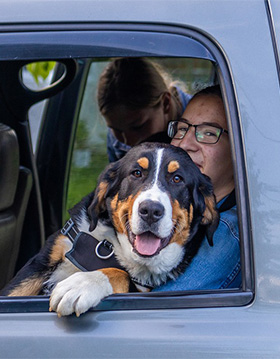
79, 292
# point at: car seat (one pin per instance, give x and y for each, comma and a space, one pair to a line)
15, 187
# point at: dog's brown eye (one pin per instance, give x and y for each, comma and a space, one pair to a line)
177, 179
137, 173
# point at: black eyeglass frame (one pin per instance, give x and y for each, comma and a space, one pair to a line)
195, 126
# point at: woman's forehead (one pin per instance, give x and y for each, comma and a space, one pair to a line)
206, 109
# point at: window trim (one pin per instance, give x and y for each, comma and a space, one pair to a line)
163, 300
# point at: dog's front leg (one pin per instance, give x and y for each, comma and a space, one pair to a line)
84, 290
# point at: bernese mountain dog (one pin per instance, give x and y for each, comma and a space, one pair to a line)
138, 228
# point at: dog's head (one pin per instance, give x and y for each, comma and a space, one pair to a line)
155, 196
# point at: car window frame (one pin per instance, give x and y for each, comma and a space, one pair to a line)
182, 299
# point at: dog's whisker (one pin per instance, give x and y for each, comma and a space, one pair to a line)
127, 225
178, 227
122, 218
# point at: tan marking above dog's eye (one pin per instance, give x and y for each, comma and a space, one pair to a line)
143, 162
173, 166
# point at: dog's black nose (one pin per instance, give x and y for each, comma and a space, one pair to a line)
151, 211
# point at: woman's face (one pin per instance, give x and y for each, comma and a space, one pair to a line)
214, 160
135, 126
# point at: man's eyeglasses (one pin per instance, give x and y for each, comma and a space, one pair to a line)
203, 133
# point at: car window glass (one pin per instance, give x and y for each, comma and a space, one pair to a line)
90, 152
35, 116
37, 76
89, 155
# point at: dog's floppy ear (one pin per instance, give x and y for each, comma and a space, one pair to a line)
205, 205
107, 184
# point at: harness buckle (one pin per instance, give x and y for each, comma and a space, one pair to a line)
108, 246
69, 225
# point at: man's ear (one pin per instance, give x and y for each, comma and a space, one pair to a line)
107, 184
205, 205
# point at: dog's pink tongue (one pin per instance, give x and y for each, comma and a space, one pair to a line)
147, 244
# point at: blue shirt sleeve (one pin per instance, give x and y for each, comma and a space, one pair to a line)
216, 267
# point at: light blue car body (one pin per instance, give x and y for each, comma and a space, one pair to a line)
244, 34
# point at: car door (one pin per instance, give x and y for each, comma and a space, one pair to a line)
200, 324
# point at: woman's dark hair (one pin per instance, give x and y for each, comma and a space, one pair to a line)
211, 90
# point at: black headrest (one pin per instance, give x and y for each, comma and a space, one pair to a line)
9, 166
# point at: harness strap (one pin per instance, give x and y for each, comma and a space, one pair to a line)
90, 254
228, 203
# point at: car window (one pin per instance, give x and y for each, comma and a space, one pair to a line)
90, 153
72, 147
37, 76
90, 146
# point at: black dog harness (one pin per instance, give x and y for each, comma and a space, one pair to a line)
90, 254
87, 253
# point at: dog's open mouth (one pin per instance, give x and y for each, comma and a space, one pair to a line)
147, 244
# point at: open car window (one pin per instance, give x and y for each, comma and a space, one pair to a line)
71, 141
90, 153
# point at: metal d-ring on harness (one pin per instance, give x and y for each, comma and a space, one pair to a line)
107, 245
87, 252
71, 231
